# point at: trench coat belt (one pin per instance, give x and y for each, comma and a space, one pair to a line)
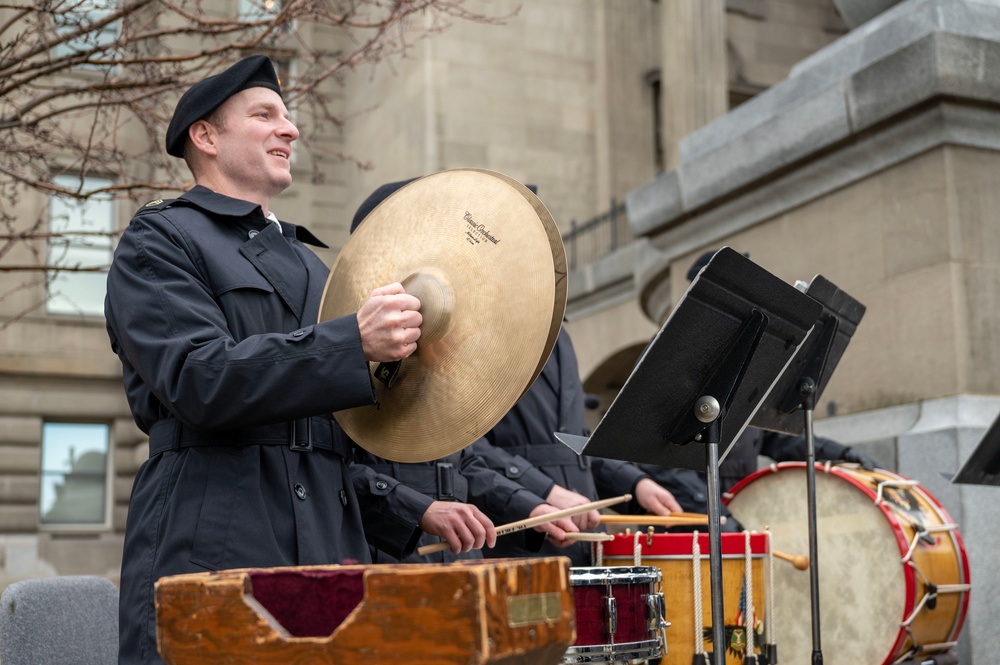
440, 481
171, 434
550, 454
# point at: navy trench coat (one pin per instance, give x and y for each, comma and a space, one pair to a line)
212, 310
524, 447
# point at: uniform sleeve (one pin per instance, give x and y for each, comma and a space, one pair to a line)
615, 477
690, 489
390, 511
513, 467
788, 448
171, 330
501, 499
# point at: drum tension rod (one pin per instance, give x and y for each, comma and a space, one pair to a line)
922, 532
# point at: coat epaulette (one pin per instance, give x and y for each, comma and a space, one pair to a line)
158, 204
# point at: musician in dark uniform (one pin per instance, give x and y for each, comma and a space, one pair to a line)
691, 487
212, 306
407, 505
523, 446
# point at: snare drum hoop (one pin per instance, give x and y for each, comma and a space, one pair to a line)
611, 575
908, 575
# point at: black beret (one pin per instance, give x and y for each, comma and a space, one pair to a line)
384, 192
376, 197
205, 96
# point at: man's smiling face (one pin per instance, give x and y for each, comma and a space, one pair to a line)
254, 137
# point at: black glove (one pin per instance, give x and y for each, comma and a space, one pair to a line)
858, 457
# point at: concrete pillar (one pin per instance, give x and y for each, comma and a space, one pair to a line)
693, 79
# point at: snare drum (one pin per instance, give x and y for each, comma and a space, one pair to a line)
687, 592
893, 573
619, 615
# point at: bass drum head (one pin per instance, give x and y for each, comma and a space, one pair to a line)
862, 584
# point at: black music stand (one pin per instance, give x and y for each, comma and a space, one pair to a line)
799, 388
701, 380
983, 465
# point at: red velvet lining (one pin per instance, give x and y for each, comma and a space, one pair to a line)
309, 604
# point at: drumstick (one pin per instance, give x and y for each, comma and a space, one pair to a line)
535, 521
800, 561
673, 519
589, 536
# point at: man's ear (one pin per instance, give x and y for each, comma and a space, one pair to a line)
203, 137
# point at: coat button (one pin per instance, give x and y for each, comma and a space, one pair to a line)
379, 484
298, 333
343, 498
300, 491
512, 469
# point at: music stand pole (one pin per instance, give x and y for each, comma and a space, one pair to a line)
817, 652
715, 531
812, 373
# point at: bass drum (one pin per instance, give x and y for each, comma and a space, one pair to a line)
893, 573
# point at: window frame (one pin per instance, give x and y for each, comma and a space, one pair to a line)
95, 10
58, 249
107, 504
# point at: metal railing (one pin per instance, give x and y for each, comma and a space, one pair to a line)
597, 237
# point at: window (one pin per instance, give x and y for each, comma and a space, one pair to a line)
74, 487
655, 96
80, 248
258, 10
85, 14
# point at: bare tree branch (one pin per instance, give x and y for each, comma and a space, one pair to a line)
87, 88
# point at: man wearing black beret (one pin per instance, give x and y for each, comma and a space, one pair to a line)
212, 306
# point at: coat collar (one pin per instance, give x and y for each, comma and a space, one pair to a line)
220, 204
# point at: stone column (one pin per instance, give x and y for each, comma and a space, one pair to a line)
693, 79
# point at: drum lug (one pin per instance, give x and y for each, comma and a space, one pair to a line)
611, 615
657, 617
932, 593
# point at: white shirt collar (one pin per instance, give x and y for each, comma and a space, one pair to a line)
271, 217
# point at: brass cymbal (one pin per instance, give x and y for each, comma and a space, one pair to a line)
559, 263
486, 260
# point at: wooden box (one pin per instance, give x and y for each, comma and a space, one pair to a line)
509, 611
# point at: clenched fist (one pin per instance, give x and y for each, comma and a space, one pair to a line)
389, 321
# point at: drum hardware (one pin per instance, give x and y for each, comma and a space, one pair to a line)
481, 253
520, 525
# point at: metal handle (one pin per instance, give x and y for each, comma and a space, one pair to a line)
657, 611
611, 615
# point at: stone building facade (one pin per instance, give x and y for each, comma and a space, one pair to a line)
860, 152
